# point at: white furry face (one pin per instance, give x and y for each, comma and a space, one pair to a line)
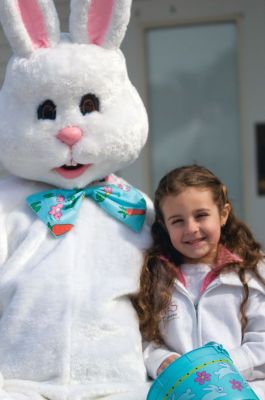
43, 95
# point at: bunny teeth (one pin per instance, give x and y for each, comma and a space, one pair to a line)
72, 163
71, 166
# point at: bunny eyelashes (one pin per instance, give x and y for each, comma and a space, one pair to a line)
68, 111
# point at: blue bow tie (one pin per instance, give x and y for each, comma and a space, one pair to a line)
58, 208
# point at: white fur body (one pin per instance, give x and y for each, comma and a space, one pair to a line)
66, 319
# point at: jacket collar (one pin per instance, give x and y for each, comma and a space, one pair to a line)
230, 278
224, 257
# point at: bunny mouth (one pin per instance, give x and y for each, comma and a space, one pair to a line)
72, 171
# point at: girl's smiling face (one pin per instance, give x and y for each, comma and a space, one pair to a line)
193, 222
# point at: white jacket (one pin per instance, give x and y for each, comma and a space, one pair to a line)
216, 317
67, 328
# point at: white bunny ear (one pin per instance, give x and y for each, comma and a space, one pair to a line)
100, 22
29, 24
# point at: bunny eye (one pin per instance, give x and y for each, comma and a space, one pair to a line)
47, 110
89, 103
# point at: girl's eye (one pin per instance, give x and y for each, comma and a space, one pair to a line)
177, 221
201, 216
47, 110
89, 103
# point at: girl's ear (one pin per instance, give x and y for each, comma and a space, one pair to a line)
225, 213
29, 24
100, 22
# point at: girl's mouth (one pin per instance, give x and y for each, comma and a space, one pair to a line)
73, 170
195, 241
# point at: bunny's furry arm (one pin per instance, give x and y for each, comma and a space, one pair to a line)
15, 215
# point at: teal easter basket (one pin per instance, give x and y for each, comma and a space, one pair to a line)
206, 373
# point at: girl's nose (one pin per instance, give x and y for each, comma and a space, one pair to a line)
70, 135
191, 226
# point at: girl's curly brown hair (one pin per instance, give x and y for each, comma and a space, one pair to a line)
157, 277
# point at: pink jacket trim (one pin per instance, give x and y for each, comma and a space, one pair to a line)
224, 257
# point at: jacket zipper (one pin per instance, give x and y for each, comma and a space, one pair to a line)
196, 308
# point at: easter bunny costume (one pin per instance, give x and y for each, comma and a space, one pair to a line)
69, 117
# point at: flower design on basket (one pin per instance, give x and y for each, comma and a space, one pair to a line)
56, 211
236, 385
202, 377
126, 188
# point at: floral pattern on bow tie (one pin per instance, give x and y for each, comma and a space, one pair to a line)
58, 208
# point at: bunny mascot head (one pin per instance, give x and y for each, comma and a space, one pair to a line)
68, 112
72, 233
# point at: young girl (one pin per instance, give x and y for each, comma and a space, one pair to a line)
202, 278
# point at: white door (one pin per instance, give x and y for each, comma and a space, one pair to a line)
199, 65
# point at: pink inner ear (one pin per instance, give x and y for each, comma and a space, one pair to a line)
98, 19
34, 22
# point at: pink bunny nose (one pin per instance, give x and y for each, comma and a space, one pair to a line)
70, 135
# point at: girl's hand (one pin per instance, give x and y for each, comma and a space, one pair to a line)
166, 362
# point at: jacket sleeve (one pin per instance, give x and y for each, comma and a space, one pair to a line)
154, 355
249, 358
